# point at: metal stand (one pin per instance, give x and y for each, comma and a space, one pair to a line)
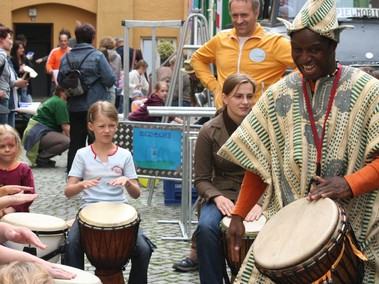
195, 23
187, 160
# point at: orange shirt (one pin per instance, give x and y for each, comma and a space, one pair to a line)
54, 60
362, 181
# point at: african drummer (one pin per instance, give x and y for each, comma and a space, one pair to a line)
314, 133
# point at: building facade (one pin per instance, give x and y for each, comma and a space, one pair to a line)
41, 21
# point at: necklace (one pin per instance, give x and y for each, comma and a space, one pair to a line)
319, 140
334, 72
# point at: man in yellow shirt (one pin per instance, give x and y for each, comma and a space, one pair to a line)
247, 49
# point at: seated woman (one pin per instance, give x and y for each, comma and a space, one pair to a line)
48, 131
218, 181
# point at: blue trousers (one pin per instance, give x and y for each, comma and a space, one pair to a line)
4, 117
74, 254
208, 245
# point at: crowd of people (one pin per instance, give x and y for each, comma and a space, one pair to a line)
274, 138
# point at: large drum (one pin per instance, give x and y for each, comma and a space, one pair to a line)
82, 277
51, 231
108, 231
251, 231
308, 242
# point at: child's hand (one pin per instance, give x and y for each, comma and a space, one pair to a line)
123, 181
90, 183
20, 198
13, 189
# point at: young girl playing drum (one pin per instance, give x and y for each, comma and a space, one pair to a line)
103, 172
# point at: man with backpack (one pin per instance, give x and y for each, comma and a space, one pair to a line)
96, 76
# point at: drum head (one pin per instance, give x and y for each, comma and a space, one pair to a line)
108, 214
251, 228
82, 277
34, 221
295, 233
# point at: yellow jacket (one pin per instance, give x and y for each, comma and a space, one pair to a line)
264, 57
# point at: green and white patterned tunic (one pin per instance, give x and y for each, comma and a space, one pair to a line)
276, 142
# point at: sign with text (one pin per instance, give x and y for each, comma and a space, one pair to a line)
157, 148
357, 13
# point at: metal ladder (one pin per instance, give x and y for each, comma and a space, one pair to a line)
187, 42
191, 42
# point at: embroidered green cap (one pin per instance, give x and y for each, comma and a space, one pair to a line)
319, 16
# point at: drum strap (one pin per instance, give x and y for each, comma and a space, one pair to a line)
356, 251
50, 255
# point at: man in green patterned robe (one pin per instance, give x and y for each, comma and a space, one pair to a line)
319, 124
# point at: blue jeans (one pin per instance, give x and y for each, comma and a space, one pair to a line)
74, 254
4, 117
12, 119
25, 97
184, 104
208, 245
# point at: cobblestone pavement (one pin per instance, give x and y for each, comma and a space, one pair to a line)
50, 185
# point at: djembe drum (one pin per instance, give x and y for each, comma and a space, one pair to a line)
109, 232
251, 231
309, 242
50, 230
82, 277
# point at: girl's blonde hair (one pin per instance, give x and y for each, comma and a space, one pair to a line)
6, 129
24, 273
105, 108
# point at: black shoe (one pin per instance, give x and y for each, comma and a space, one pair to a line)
46, 164
186, 265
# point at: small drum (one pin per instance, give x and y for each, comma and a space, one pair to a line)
51, 231
308, 242
251, 231
109, 232
82, 277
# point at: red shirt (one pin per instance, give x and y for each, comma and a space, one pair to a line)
19, 174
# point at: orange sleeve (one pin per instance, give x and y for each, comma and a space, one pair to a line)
49, 63
364, 180
252, 188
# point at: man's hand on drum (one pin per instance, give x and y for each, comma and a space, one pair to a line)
225, 205
13, 189
334, 187
20, 235
234, 236
254, 214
